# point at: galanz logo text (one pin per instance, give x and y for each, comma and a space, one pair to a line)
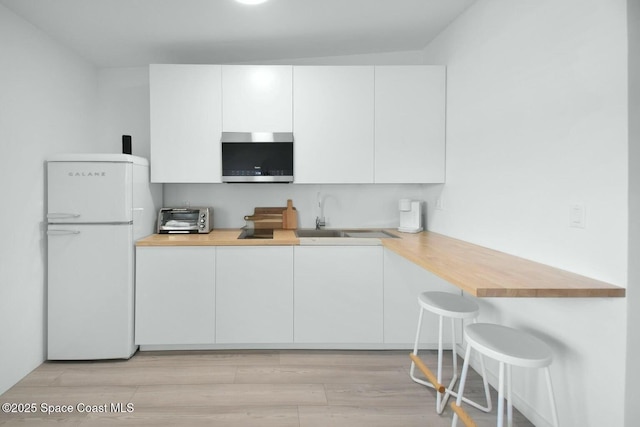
87, 173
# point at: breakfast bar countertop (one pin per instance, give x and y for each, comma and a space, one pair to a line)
485, 272
477, 270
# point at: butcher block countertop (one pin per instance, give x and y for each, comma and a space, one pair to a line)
484, 272
477, 270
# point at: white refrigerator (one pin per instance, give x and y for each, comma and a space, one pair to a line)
98, 205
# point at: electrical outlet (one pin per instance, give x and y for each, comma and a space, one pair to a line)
577, 215
439, 204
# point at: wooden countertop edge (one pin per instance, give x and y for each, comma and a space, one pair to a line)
484, 272
219, 237
478, 271
221, 243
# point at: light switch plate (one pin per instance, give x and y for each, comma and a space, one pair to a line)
577, 215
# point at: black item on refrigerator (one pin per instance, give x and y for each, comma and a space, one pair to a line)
126, 144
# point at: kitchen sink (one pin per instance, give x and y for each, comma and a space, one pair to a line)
371, 234
356, 233
320, 233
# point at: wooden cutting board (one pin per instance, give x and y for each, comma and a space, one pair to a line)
266, 217
290, 217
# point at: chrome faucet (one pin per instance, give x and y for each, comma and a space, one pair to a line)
320, 222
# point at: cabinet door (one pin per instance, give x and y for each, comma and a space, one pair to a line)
338, 294
175, 295
257, 98
186, 123
403, 283
333, 124
254, 295
409, 124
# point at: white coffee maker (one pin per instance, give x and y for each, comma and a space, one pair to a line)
410, 216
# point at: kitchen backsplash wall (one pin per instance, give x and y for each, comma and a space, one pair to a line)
353, 205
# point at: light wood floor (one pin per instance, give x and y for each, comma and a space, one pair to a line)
241, 388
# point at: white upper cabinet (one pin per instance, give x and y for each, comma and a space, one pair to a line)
257, 98
351, 124
333, 124
186, 123
409, 124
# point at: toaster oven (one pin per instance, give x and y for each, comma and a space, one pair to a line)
185, 220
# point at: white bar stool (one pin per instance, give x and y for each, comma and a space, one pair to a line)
453, 306
510, 347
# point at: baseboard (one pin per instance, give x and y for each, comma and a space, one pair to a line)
291, 346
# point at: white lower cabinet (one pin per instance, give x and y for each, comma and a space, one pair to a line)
403, 283
348, 296
254, 295
338, 294
175, 295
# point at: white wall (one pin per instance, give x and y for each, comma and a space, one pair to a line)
124, 109
632, 409
536, 122
406, 57
47, 105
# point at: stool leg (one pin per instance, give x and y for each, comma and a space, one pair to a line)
487, 391
439, 407
449, 390
509, 404
442, 399
500, 422
412, 371
554, 411
453, 347
441, 402
463, 379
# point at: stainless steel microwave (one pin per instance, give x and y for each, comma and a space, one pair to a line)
257, 157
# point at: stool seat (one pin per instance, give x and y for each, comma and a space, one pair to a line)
508, 345
449, 305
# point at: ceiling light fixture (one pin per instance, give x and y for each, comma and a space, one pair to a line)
251, 1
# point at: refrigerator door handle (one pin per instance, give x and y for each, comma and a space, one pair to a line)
62, 232
62, 215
